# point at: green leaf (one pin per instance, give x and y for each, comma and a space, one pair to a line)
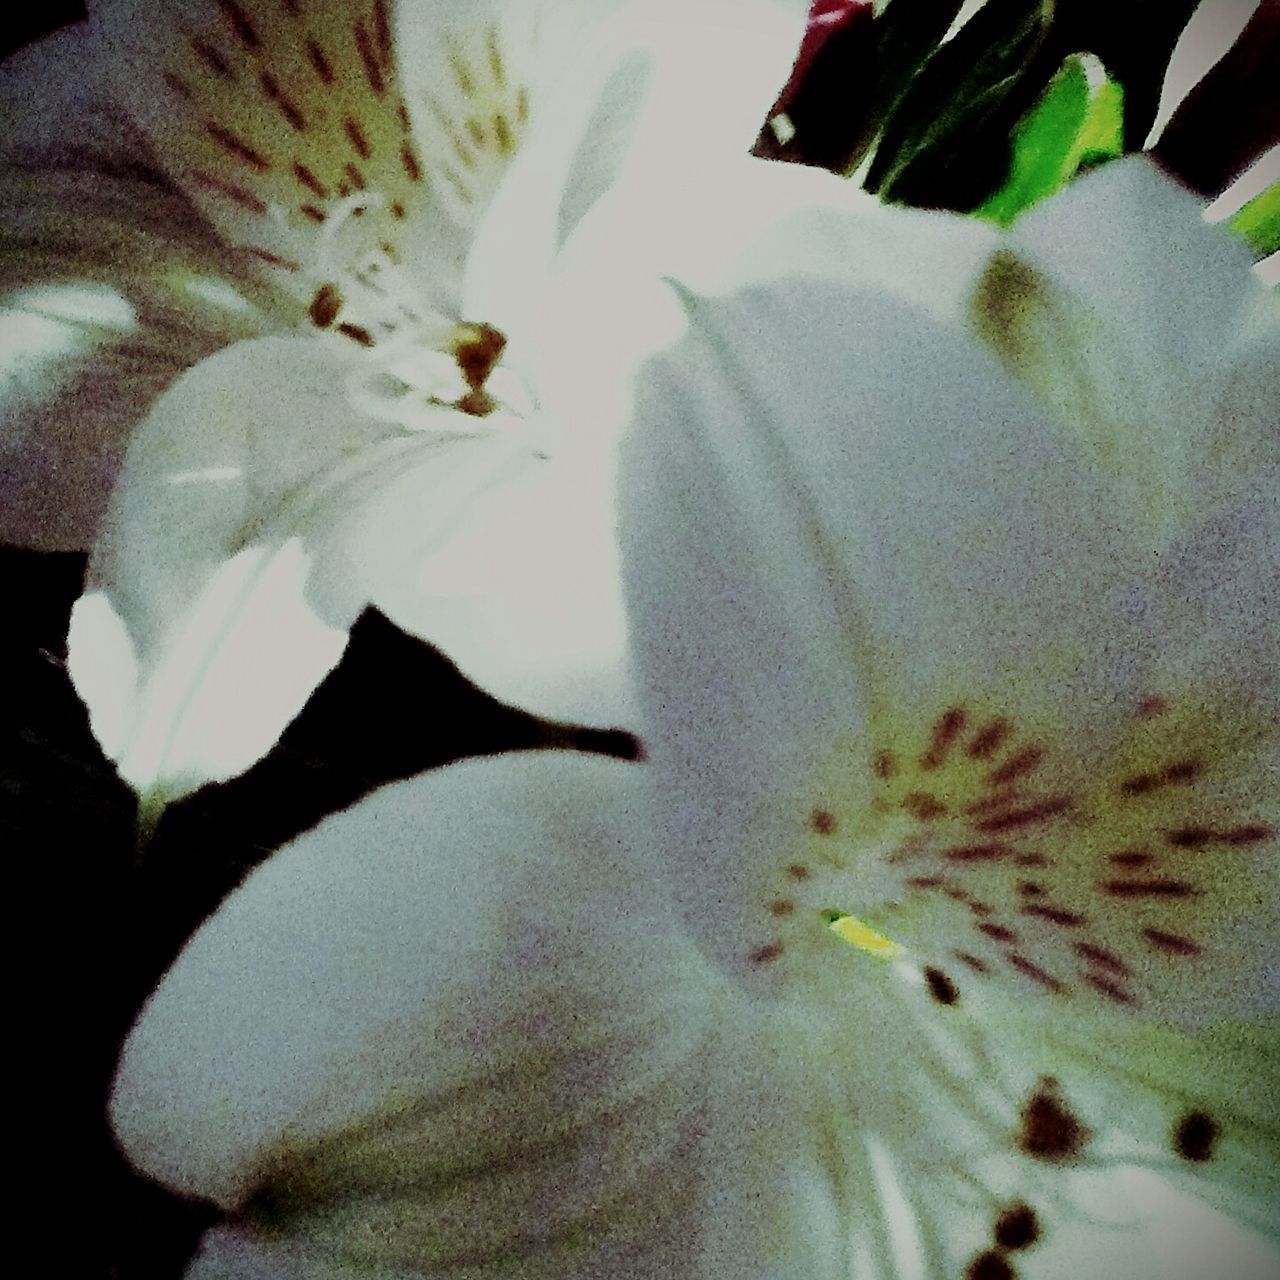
1258, 223
958, 90
1078, 121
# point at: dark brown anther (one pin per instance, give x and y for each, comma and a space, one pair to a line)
478, 403
477, 348
325, 306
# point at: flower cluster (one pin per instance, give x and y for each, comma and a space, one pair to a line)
937, 565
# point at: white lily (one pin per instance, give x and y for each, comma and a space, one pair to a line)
411, 421
987, 662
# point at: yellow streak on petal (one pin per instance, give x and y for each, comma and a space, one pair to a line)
864, 937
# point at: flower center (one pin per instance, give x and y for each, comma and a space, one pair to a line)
418, 361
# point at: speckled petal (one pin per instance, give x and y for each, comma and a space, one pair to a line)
110, 285
905, 657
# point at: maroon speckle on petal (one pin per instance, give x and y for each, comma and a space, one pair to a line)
1017, 1227
992, 851
1027, 816
1035, 972
1055, 915
239, 23
319, 61
1254, 833
212, 58
781, 907
1131, 858
947, 729
991, 1265
941, 988
1196, 1136
884, 765
998, 932
987, 739
1189, 837
1024, 762
923, 806
974, 963
765, 954
1101, 956
1112, 990
357, 137
237, 147
1049, 1130
798, 871
1173, 944
1149, 888
822, 821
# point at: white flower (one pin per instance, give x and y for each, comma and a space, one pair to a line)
987, 662
423, 410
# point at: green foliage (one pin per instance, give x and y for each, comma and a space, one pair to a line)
1258, 223
957, 91
1077, 122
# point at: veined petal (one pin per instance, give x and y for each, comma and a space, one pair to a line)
281, 121
110, 285
1153, 346
561, 102
450, 1030
904, 657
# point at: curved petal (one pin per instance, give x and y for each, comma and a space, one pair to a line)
901, 658
583, 97
198, 638
279, 120
259, 511
110, 285
525, 592
1160, 348
450, 1029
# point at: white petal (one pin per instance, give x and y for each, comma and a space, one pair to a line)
901, 660
523, 593
584, 96
449, 1029
1143, 327
271, 116
110, 285
198, 639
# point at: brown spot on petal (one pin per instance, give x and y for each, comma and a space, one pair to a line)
921, 805
1027, 816
823, 822
1049, 1130
1173, 944
782, 907
798, 871
1017, 766
991, 1265
765, 954
1196, 1136
947, 729
1101, 956
325, 306
987, 739
1017, 1227
941, 988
